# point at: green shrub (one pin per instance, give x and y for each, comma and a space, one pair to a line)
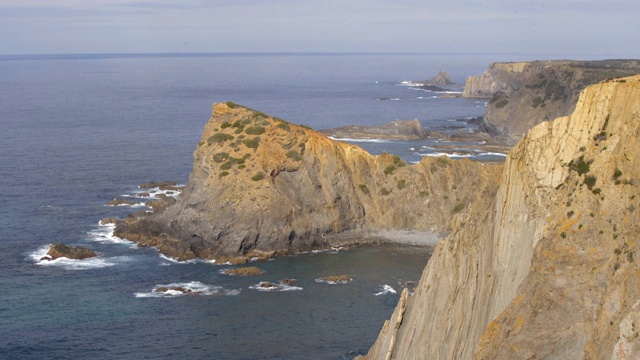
590, 181
220, 157
225, 125
293, 155
401, 184
423, 193
501, 103
225, 166
563, 234
537, 101
255, 130
242, 166
389, 169
617, 173
219, 138
251, 143
580, 166
284, 126
385, 191
364, 189
456, 209
443, 161
231, 105
223, 174
257, 177
239, 130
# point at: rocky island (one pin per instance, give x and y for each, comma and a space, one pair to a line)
548, 267
261, 186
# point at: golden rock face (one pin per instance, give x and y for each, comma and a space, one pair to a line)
549, 267
261, 184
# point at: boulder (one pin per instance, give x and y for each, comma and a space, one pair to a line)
70, 252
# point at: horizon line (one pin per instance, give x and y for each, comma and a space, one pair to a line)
53, 56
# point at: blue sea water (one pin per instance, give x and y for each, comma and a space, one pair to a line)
78, 131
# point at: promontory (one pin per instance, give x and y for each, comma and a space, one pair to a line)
261, 186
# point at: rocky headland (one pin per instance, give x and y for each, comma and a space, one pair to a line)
524, 94
548, 267
261, 186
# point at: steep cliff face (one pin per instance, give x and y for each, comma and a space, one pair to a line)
527, 93
261, 186
549, 268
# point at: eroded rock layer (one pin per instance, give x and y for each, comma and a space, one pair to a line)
262, 186
549, 268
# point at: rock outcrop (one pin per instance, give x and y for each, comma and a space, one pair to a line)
399, 130
261, 186
524, 94
59, 250
548, 268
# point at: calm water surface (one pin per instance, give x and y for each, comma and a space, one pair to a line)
77, 132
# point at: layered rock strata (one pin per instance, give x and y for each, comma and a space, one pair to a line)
262, 186
548, 268
524, 94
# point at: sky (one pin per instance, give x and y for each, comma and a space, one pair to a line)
607, 28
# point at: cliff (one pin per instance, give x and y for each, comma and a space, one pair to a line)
548, 268
261, 186
525, 94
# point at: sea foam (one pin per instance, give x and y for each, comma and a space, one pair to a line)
385, 289
191, 288
72, 264
269, 287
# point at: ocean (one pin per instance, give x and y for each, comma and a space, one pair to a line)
78, 131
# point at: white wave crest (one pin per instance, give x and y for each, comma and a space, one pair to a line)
451, 155
174, 260
188, 288
268, 286
104, 234
385, 289
39, 258
360, 140
330, 282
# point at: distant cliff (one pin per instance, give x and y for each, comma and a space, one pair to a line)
262, 186
524, 94
548, 268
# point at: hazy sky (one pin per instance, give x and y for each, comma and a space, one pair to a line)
610, 28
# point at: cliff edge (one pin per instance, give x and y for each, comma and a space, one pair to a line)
524, 94
548, 268
261, 186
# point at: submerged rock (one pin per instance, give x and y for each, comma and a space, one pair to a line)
244, 271
335, 279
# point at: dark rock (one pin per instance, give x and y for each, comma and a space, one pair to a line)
244, 271
288, 281
160, 184
109, 220
61, 250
